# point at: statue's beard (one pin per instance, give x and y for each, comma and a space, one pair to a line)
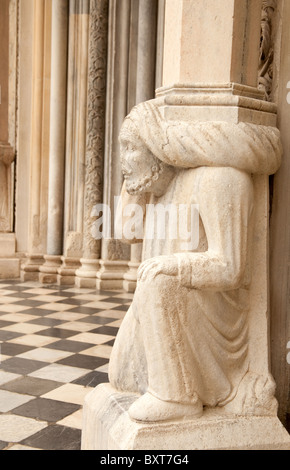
144, 184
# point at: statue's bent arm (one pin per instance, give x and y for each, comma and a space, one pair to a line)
225, 198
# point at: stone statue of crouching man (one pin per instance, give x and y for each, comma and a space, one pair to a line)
183, 344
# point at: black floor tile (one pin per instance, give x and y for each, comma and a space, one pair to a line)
29, 303
63, 294
8, 335
288, 422
123, 308
16, 287
84, 310
110, 343
31, 386
106, 330
55, 438
70, 301
3, 445
115, 300
46, 410
45, 321
58, 333
38, 311
92, 379
13, 349
83, 361
18, 365
21, 295
69, 345
97, 320
4, 323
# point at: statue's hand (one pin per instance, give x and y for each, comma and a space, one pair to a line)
150, 268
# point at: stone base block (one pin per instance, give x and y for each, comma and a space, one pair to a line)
109, 284
67, 272
85, 282
7, 245
29, 276
107, 426
45, 278
129, 286
86, 275
30, 267
65, 280
9, 268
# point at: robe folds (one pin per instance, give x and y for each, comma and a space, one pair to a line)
185, 336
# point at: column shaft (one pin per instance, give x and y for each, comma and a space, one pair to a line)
57, 126
96, 105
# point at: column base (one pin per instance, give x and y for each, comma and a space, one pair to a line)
9, 264
49, 270
67, 272
130, 278
9, 268
107, 426
111, 275
30, 269
86, 275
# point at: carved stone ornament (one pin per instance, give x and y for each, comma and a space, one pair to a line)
95, 118
184, 342
267, 48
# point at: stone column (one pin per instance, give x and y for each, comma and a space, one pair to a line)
75, 139
48, 272
34, 135
210, 74
86, 275
9, 266
145, 90
114, 255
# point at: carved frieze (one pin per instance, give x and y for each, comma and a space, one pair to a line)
267, 48
95, 117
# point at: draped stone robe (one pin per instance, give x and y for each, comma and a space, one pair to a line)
185, 336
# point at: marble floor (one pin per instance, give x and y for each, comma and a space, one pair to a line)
55, 344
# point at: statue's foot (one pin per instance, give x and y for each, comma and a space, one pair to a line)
148, 408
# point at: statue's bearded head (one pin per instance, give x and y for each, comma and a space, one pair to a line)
141, 169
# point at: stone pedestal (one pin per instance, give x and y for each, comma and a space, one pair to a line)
30, 268
49, 270
66, 273
111, 274
130, 277
9, 265
107, 425
86, 275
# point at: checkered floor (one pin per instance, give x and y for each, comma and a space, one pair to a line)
55, 344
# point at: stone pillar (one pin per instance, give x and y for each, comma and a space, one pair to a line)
145, 90
9, 265
48, 272
93, 192
75, 139
210, 74
34, 129
279, 42
114, 262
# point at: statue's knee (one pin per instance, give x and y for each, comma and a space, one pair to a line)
161, 282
